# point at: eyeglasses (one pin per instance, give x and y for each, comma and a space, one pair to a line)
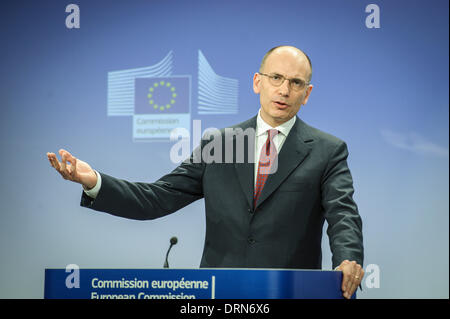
277, 79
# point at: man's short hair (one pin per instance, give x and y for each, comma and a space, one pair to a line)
281, 46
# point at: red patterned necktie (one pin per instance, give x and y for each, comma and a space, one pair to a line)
268, 164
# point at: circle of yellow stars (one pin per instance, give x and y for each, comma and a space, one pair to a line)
151, 91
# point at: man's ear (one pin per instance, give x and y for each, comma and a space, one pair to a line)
307, 94
256, 83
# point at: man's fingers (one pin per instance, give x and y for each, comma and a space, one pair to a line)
73, 166
65, 171
354, 279
347, 284
359, 274
351, 283
352, 274
63, 160
53, 161
345, 278
352, 287
67, 167
49, 157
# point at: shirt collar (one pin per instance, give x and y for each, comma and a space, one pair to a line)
262, 127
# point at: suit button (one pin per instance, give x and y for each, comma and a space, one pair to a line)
250, 211
251, 241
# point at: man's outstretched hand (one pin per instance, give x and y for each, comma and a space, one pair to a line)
352, 275
73, 169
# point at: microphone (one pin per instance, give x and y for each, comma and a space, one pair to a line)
173, 241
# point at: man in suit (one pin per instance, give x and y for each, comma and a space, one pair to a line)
268, 210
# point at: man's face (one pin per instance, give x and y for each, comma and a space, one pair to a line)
280, 104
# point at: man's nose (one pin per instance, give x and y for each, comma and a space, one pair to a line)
285, 88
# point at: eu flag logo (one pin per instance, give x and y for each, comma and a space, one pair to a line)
162, 95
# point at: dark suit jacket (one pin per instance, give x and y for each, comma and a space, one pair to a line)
312, 184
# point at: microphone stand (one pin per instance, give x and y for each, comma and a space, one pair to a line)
173, 241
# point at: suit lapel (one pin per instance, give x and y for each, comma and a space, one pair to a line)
292, 154
245, 171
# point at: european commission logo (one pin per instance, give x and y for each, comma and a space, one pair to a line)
159, 101
161, 105
154, 91
160, 95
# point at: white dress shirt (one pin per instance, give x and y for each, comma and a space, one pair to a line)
260, 139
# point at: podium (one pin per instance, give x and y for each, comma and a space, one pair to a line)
203, 283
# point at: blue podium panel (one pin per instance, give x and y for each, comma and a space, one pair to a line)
204, 283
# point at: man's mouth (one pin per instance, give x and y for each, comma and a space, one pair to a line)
280, 105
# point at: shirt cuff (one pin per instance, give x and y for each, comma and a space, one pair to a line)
93, 192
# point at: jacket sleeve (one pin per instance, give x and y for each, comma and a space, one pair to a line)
341, 212
145, 201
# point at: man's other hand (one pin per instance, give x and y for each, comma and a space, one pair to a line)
73, 169
352, 276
